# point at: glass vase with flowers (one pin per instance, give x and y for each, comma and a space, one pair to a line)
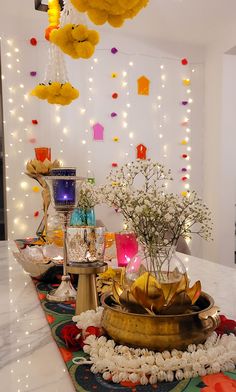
158, 219
84, 214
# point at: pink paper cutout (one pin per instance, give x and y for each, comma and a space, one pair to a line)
98, 131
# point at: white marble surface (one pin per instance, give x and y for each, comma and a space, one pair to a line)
29, 358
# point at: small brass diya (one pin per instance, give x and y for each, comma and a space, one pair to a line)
160, 332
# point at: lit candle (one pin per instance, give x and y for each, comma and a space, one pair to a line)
64, 190
126, 247
42, 153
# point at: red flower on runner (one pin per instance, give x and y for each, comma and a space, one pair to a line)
50, 318
74, 337
218, 383
66, 354
41, 296
226, 326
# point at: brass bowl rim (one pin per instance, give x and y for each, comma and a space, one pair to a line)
181, 315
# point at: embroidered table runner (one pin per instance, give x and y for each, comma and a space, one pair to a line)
59, 314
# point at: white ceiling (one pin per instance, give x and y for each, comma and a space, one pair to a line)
199, 22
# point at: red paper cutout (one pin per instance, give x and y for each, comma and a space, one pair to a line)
114, 164
33, 41
184, 178
34, 122
114, 95
36, 214
184, 61
141, 151
184, 156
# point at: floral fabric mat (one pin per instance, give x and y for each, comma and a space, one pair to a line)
58, 315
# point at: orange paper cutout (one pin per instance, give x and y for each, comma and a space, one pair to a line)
143, 85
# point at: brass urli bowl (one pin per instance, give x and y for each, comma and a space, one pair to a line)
160, 332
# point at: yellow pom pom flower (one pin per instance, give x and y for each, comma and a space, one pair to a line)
56, 93
40, 91
113, 11
75, 40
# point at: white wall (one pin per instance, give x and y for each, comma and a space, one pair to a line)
219, 148
144, 118
65, 136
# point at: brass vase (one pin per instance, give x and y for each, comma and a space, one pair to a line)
160, 332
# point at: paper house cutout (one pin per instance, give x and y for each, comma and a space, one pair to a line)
98, 131
141, 151
143, 85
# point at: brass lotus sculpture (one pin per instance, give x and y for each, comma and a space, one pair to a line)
37, 170
150, 295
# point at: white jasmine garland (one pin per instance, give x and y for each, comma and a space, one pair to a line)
91, 318
120, 363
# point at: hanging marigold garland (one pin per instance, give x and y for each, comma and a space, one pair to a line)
113, 11
56, 88
73, 37
54, 10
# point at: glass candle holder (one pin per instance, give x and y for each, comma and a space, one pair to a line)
126, 248
64, 190
42, 153
110, 246
83, 217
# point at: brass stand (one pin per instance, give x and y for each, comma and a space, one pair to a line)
65, 292
87, 297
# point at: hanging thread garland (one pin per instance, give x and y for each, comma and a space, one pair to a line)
56, 88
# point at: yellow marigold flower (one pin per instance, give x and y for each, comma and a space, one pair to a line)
110, 273
113, 11
56, 93
75, 40
40, 91
54, 88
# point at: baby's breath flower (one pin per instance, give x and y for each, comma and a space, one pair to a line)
157, 218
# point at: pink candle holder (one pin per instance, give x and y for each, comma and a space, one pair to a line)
126, 248
42, 153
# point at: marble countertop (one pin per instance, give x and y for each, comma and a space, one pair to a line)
29, 358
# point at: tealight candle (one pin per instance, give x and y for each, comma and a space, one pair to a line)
64, 190
42, 153
126, 247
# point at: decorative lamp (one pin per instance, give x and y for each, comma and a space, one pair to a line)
64, 189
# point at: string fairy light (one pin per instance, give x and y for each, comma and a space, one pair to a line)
18, 117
